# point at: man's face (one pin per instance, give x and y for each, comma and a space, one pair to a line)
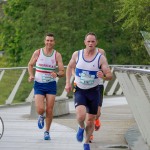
90, 42
49, 42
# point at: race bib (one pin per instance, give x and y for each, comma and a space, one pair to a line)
47, 78
86, 78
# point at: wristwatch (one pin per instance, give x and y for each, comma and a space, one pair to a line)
104, 77
57, 74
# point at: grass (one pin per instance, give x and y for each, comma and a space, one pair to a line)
7, 83
9, 80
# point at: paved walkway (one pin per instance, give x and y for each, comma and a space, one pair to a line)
116, 119
22, 132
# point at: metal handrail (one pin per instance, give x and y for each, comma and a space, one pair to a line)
110, 87
133, 70
116, 66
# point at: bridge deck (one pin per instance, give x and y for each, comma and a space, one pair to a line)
21, 132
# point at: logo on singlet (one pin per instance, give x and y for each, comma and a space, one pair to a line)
86, 78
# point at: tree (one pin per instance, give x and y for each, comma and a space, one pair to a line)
10, 36
25, 23
134, 16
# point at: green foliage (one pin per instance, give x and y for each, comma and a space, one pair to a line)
135, 14
134, 17
11, 32
25, 23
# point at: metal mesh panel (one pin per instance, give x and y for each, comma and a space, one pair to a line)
143, 86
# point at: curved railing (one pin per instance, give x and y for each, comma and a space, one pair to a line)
111, 87
135, 84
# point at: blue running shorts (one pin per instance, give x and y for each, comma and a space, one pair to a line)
45, 88
87, 97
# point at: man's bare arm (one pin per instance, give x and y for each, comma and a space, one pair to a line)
71, 66
105, 72
31, 65
61, 70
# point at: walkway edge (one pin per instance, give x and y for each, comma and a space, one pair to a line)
134, 139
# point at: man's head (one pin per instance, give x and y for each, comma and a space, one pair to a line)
91, 33
49, 40
90, 40
50, 34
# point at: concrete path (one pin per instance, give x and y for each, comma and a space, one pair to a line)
22, 133
116, 118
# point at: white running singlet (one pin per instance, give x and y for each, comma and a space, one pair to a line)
86, 71
44, 66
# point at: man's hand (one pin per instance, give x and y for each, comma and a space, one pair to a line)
68, 87
54, 74
105, 74
100, 74
31, 78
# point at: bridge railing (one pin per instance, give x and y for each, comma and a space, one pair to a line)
111, 87
135, 84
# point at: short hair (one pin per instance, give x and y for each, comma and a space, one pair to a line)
91, 33
50, 34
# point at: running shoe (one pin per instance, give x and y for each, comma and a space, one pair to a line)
86, 146
97, 124
79, 135
91, 138
41, 122
46, 135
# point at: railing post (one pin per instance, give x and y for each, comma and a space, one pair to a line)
14, 91
1, 74
135, 84
131, 96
